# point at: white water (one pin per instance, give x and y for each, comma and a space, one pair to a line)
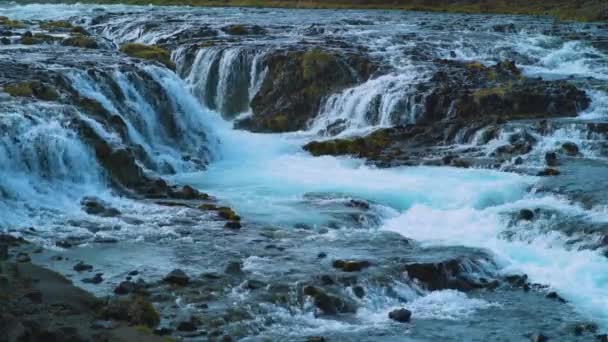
267, 177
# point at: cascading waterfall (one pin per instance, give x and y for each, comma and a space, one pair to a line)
225, 79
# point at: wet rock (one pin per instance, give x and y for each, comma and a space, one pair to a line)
551, 159
570, 148
554, 295
296, 83
82, 267
232, 225
135, 310
351, 265
328, 304
602, 338
23, 257
526, 215
316, 339
539, 338
3, 251
96, 279
81, 41
234, 268
189, 325
125, 287
253, 284
241, 30
400, 315
149, 52
95, 206
37, 89
447, 274
177, 277
228, 214
322, 255
548, 172
359, 291
504, 28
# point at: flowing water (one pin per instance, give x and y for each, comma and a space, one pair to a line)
45, 168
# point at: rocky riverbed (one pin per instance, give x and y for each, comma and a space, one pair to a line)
226, 174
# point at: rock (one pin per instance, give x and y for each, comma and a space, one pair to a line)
190, 325
297, 82
81, 41
539, 338
602, 338
359, 291
351, 265
228, 214
570, 148
445, 274
3, 251
125, 287
400, 315
328, 304
232, 225
240, 30
96, 279
177, 277
37, 89
23, 257
135, 310
554, 295
551, 159
322, 255
548, 172
253, 284
234, 268
95, 206
526, 215
81, 267
149, 52
316, 339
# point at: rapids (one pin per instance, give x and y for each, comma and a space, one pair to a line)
45, 168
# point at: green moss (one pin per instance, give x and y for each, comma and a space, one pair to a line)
498, 91
149, 52
14, 24
59, 25
39, 38
228, 214
22, 89
207, 207
32, 88
314, 62
80, 41
235, 30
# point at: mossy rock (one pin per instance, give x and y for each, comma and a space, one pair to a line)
228, 214
35, 89
38, 38
59, 25
314, 62
80, 41
149, 52
134, 310
235, 30
14, 24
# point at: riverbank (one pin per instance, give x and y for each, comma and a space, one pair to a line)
585, 10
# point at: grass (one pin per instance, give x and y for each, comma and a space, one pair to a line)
580, 10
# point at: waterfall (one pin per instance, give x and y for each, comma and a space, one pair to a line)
224, 79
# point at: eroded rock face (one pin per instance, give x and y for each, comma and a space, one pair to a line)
296, 83
463, 102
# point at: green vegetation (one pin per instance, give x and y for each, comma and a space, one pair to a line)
32, 88
38, 38
369, 146
81, 41
14, 24
149, 52
60, 25
315, 61
235, 30
582, 10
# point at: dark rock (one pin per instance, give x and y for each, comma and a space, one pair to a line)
554, 295
135, 310
570, 148
3, 251
191, 324
526, 215
551, 159
253, 284
97, 279
602, 338
134, 273
81, 267
447, 274
328, 304
240, 30
322, 255
351, 265
232, 225
539, 338
177, 277
296, 83
234, 268
400, 315
359, 291
125, 287
34, 296
548, 172
316, 339
23, 257
95, 206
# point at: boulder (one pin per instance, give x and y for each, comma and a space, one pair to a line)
177, 277
400, 315
351, 265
